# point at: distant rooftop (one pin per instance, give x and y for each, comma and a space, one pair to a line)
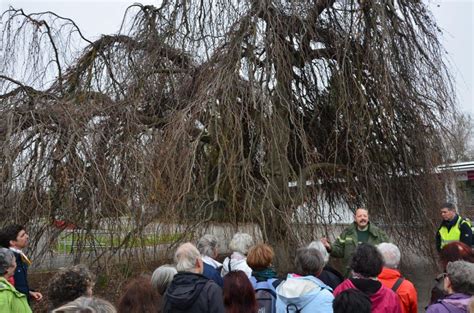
458, 167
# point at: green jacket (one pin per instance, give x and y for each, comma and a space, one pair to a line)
11, 300
345, 245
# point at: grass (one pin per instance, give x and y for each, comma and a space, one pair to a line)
69, 241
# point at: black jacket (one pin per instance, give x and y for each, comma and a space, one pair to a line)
331, 277
193, 293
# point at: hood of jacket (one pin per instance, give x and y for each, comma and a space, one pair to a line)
374, 289
458, 300
301, 290
5, 285
389, 274
185, 289
372, 229
210, 261
237, 262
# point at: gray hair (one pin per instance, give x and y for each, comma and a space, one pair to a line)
241, 242
461, 275
318, 245
390, 253
186, 257
6, 260
360, 208
448, 205
70, 283
87, 304
162, 277
207, 245
309, 261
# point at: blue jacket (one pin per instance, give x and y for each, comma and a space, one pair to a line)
213, 274
306, 293
21, 276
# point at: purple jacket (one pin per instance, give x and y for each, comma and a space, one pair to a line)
455, 303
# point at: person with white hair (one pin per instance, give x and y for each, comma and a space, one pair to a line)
190, 291
11, 300
391, 278
330, 276
302, 291
240, 245
162, 277
459, 285
87, 304
207, 246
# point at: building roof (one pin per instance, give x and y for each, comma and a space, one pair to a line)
458, 167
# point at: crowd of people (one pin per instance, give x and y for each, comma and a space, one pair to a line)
247, 281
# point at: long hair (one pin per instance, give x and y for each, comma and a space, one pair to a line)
139, 297
239, 295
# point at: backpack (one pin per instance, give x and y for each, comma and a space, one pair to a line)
265, 293
465, 220
470, 224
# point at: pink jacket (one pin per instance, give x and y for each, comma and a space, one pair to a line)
383, 301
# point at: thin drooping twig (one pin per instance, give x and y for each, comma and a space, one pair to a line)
212, 110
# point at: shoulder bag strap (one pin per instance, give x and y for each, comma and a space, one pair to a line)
397, 284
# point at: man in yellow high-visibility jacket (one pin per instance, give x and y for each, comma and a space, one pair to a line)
453, 227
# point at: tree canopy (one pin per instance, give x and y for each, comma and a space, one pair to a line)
224, 110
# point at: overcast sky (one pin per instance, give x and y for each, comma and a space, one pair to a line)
455, 18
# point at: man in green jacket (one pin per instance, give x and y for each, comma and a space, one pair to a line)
361, 231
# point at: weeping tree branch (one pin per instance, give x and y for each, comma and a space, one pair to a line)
206, 111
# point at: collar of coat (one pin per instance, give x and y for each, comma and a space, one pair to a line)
372, 229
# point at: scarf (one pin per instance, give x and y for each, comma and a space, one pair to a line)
24, 258
265, 274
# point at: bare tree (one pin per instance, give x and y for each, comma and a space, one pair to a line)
207, 110
459, 137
